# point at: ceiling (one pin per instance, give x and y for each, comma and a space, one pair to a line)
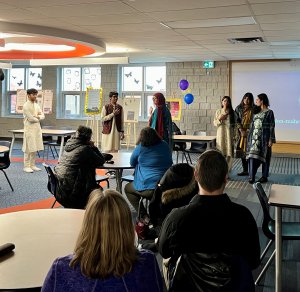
197, 29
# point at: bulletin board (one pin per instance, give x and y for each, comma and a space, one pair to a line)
44, 100
131, 108
175, 106
93, 101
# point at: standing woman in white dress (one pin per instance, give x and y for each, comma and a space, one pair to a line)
112, 117
224, 121
32, 140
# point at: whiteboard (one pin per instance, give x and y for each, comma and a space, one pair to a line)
281, 82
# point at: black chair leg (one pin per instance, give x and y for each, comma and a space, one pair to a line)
7, 180
53, 204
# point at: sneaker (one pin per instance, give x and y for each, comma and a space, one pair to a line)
251, 181
35, 168
263, 179
27, 169
243, 173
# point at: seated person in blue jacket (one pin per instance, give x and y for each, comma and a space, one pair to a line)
211, 222
105, 257
76, 171
151, 158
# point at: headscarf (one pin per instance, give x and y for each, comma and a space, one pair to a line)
156, 120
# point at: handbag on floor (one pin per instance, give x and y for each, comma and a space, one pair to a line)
141, 225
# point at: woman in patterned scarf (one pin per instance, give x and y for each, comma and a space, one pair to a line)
260, 139
160, 119
244, 113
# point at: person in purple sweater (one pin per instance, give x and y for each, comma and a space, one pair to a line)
105, 256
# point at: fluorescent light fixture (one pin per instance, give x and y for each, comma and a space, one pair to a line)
165, 25
5, 65
37, 47
210, 22
78, 61
285, 43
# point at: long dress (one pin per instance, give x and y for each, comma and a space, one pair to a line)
111, 142
224, 138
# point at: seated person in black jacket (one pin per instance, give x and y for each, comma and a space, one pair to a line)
76, 171
211, 222
175, 189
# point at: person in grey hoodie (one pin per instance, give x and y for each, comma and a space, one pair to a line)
76, 171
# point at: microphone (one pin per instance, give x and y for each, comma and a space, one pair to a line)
6, 248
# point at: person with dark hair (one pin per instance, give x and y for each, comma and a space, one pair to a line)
112, 116
260, 140
151, 158
105, 257
244, 113
76, 171
32, 139
211, 223
1, 75
225, 121
160, 119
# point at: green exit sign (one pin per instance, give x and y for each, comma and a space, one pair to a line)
208, 64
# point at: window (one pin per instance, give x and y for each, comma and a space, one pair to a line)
142, 82
74, 81
21, 78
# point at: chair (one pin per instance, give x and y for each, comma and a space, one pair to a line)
180, 147
128, 178
5, 161
196, 147
52, 182
290, 230
100, 178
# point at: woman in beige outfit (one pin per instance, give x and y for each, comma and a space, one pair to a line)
224, 121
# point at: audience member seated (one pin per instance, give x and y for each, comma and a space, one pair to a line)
211, 223
76, 171
151, 158
105, 256
175, 189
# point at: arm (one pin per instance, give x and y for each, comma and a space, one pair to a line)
93, 156
122, 125
272, 128
105, 117
168, 239
31, 118
49, 283
218, 118
41, 115
135, 155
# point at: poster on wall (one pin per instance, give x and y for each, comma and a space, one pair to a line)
174, 105
20, 100
44, 99
47, 104
93, 101
131, 107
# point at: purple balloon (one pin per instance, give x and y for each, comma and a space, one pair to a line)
183, 84
188, 98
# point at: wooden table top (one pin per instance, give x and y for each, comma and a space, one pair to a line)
3, 149
285, 196
190, 138
39, 236
50, 132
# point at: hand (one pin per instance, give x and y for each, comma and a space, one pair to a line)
223, 117
150, 110
122, 136
116, 111
270, 144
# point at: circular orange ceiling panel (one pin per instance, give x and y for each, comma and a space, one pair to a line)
79, 51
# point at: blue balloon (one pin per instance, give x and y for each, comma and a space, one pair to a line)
188, 98
183, 84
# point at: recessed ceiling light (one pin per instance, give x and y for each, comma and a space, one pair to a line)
210, 22
36, 47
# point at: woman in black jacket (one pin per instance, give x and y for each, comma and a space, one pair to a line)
76, 171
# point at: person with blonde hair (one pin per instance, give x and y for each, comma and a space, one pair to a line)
105, 257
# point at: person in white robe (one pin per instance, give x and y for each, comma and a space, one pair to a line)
32, 140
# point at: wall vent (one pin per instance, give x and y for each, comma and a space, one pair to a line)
253, 40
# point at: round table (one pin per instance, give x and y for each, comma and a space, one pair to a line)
40, 236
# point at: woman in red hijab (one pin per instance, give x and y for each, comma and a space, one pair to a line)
160, 119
